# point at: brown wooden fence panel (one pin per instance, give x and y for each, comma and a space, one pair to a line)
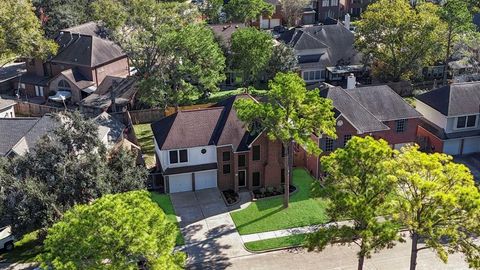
34, 110
146, 116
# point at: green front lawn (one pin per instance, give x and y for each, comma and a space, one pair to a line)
165, 203
25, 250
269, 214
145, 139
275, 243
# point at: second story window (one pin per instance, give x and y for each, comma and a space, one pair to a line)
226, 156
325, 3
178, 156
329, 144
256, 152
334, 3
241, 161
466, 121
401, 125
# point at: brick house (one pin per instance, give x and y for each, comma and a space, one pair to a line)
207, 148
355, 7
328, 9
451, 122
83, 60
375, 111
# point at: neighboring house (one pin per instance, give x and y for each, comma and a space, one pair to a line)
355, 7
211, 147
325, 53
7, 109
114, 94
375, 111
20, 135
451, 119
83, 60
269, 22
328, 9
8, 74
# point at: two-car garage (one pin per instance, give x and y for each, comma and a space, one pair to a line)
191, 181
462, 146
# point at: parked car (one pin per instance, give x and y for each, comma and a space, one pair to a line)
6, 238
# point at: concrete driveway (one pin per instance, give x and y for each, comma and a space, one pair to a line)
472, 162
208, 229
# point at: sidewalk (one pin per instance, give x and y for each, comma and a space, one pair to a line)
286, 232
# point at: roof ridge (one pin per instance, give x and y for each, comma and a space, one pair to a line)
201, 109
361, 105
449, 98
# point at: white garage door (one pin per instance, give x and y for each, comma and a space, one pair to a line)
264, 23
451, 147
471, 145
274, 22
180, 183
205, 180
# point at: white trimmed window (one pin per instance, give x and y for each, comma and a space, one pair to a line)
325, 3
467, 121
39, 91
401, 125
334, 3
178, 156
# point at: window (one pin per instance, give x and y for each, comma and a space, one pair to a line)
401, 125
334, 3
317, 75
256, 179
204, 151
241, 161
64, 86
346, 138
175, 154
256, 152
328, 145
38, 91
325, 3
226, 156
282, 176
226, 168
314, 75
466, 121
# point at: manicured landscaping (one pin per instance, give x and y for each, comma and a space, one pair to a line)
276, 243
165, 203
25, 250
145, 139
269, 214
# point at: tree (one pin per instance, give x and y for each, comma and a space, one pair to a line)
60, 14
211, 9
67, 167
457, 16
251, 51
122, 231
283, 59
358, 187
438, 203
195, 65
290, 114
399, 39
293, 10
248, 10
175, 57
21, 34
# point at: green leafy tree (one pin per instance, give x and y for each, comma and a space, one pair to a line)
457, 16
293, 10
123, 231
21, 34
438, 203
290, 114
283, 59
358, 187
61, 14
68, 166
211, 10
399, 39
248, 10
251, 51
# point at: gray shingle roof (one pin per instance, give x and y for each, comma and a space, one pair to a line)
384, 103
455, 99
363, 120
12, 130
223, 32
124, 89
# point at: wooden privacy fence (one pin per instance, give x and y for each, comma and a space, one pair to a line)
146, 116
34, 110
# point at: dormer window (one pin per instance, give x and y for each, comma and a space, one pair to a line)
466, 121
178, 156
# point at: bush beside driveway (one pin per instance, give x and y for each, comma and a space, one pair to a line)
269, 214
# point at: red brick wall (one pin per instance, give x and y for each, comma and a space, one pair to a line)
433, 142
118, 67
392, 137
225, 181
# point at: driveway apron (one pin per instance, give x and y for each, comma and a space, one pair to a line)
208, 229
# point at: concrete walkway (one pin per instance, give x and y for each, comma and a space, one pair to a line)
286, 232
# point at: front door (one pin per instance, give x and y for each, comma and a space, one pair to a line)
242, 178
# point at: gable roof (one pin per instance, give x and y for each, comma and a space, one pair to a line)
363, 120
82, 46
75, 77
335, 42
217, 125
454, 99
12, 130
383, 103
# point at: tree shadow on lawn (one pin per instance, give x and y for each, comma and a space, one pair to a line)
239, 227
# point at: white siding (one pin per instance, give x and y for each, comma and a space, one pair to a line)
195, 156
7, 113
431, 114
